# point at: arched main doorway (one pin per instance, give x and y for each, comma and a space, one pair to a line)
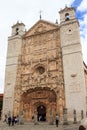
40, 100
41, 113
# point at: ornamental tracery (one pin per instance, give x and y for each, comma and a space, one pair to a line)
37, 70
38, 93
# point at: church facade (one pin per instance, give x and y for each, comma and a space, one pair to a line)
44, 69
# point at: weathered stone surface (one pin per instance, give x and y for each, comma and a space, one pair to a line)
44, 70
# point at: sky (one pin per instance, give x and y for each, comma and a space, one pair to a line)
28, 12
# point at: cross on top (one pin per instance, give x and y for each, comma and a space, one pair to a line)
40, 13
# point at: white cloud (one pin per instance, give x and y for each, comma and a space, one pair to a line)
83, 27
83, 32
83, 22
83, 6
84, 48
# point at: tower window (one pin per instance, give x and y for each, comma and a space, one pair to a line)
67, 16
17, 29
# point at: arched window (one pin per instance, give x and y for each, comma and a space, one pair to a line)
17, 29
67, 16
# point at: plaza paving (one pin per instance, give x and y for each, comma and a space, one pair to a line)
40, 126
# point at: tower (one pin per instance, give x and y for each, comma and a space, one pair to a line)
13, 53
18, 29
72, 62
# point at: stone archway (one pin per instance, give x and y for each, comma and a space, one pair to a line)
37, 99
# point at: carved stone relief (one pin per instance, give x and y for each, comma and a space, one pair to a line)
38, 70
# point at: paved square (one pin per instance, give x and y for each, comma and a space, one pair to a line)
40, 126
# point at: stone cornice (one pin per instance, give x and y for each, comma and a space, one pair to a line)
64, 23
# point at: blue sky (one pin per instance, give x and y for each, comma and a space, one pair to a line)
76, 4
27, 11
81, 14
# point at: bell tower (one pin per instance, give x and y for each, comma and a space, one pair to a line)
18, 29
72, 62
13, 54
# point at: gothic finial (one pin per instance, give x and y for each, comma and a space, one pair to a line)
56, 21
40, 16
18, 21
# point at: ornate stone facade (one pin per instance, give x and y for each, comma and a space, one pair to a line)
39, 80
41, 76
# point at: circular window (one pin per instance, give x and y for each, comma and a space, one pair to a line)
41, 69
